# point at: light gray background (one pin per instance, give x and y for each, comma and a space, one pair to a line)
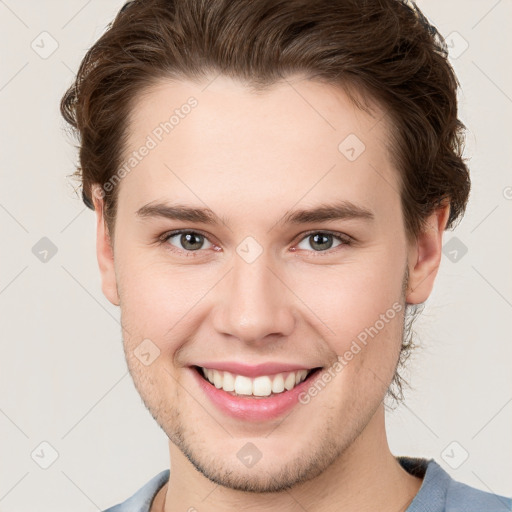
63, 378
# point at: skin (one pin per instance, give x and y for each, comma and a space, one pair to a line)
251, 158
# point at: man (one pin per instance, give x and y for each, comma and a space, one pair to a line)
272, 180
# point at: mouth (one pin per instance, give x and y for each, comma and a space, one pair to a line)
260, 387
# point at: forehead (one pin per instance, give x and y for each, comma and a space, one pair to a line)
223, 142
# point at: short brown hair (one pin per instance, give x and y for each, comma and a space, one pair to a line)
384, 49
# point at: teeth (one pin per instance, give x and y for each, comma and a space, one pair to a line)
300, 376
278, 384
289, 382
264, 385
217, 379
228, 383
243, 385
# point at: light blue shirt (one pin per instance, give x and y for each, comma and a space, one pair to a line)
439, 492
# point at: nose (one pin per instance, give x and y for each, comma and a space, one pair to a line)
255, 305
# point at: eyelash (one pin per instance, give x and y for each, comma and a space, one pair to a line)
342, 237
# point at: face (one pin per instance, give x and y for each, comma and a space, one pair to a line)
254, 281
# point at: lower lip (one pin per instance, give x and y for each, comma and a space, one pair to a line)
254, 409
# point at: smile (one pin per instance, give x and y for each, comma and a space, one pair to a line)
264, 385
258, 398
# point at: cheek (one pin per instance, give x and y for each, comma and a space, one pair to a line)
367, 345
351, 297
158, 301
363, 308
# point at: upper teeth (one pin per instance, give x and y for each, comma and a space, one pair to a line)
259, 386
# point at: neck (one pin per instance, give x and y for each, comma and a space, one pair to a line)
364, 478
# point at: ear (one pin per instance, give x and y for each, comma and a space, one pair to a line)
104, 250
425, 256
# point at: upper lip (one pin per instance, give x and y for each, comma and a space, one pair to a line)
257, 370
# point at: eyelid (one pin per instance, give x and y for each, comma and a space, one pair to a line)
342, 237
169, 234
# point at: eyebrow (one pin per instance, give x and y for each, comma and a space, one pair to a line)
335, 211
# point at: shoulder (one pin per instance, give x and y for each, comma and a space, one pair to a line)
439, 492
141, 500
461, 497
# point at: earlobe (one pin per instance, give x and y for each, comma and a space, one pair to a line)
425, 256
105, 254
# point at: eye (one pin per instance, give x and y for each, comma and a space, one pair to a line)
192, 241
189, 241
322, 241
